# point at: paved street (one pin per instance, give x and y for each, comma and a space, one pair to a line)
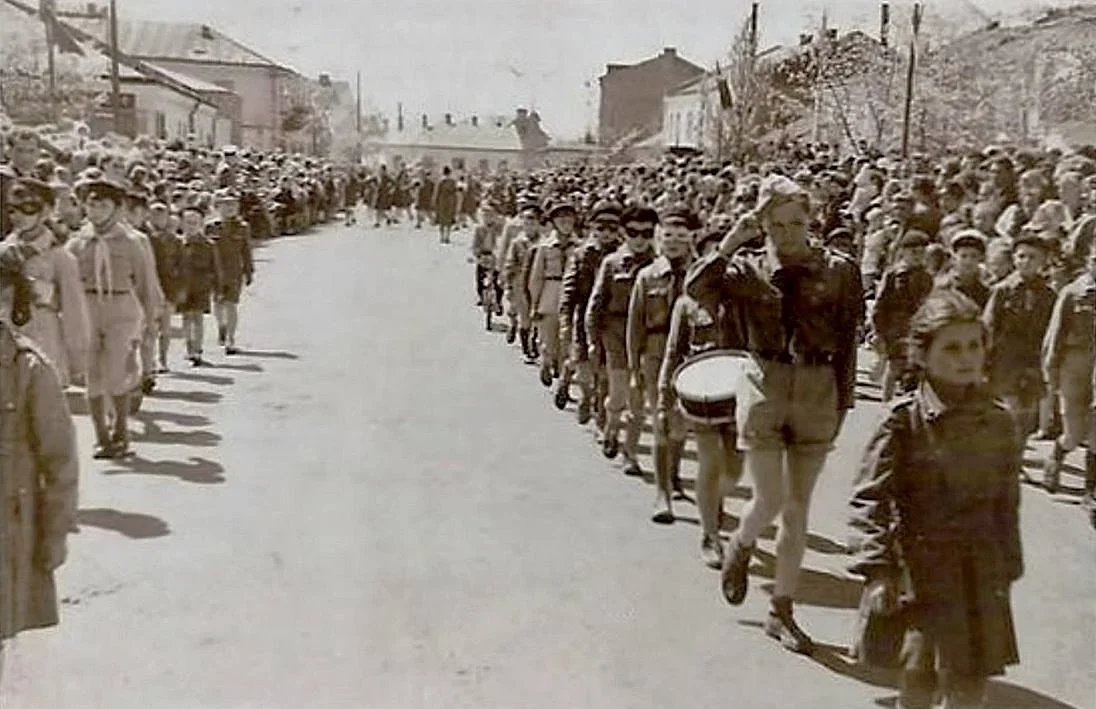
376, 505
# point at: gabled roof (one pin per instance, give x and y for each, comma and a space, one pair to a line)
692, 86
668, 54
192, 83
178, 41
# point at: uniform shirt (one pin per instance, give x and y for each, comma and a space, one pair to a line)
578, 284
233, 244
111, 263
820, 318
518, 262
972, 288
546, 273
901, 293
1072, 325
167, 249
612, 294
1016, 318
484, 239
695, 328
650, 304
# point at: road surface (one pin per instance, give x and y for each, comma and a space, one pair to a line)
376, 505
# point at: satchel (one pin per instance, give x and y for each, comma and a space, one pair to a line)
878, 637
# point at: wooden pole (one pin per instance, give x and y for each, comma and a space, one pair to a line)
115, 82
46, 10
884, 23
753, 33
909, 80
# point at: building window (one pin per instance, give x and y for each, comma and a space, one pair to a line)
161, 125
504, 165
458, 163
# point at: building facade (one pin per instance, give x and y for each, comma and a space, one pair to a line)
631, 95
472, 145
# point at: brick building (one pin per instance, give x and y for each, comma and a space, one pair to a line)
631, 95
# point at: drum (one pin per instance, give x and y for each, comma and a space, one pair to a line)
707, 385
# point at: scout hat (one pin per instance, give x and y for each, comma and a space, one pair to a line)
26, 193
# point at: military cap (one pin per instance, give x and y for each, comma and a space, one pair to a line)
914, 238
606, 208
681, 214
29, 191
561, 207
136, 196
776, 189
1031, 237
635, 213
839, 234
969, 238
101, 188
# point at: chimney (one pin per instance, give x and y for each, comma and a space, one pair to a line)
805, 38
448, 119
522, 113
425, 122
475, 121
669, 52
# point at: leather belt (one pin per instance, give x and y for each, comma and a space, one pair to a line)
108, 292
808, 359
552, 278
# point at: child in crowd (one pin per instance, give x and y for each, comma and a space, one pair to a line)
936, 505
901, 291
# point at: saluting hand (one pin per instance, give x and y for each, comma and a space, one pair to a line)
747, 228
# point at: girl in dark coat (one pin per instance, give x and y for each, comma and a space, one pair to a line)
936, 507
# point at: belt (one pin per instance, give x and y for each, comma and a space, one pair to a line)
664, 330
808, 359
552, 278
108, 292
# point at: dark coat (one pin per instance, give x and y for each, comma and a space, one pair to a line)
199, 275
937, 500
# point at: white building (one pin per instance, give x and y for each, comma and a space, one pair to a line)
684, 114
169, 112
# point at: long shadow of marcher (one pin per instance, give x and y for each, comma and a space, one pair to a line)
154, 433
200, 471
179, 419
249, 367
192, 397
214, 379
268, 354
129, 524
816, 588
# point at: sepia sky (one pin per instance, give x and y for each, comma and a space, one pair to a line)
460, 56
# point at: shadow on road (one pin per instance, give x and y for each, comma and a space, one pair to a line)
268, 354
214, 379
129, 524
200, 471
816, 588
196, 420
193, 397
252, 367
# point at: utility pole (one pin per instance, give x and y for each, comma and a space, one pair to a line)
909, 80
358, 106
115, 83
884, 23
46, 10
753, 34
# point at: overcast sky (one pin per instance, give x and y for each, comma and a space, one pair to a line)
456, 56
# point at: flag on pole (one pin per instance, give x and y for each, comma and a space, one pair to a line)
725, 98
60, 35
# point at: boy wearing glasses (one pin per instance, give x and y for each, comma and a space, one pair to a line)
607, 328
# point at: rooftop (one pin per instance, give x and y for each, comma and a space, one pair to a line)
461, 136
179, 41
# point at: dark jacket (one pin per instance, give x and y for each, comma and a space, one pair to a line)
578, 284
1016, 318
937, 500
901, 293
199, 275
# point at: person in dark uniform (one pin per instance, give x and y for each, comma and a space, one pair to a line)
232, 237
578, 284
199, 279
607, 329
903, 288
424, 199
801, 306
968, 251
167, 251
445, 205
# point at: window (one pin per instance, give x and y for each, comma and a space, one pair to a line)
458, 163
161, 125
503, 165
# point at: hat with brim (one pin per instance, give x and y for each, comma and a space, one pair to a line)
606, 210
560, 209
101, 189
969, 239
1031, 237
30, 191
680, 215
914, 239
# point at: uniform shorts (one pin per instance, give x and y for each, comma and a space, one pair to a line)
786, 406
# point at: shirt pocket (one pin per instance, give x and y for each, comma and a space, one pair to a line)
658, 307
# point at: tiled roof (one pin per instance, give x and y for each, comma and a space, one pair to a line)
187, 41
461, 137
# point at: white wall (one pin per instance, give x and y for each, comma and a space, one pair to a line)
683, 120
442, 156
159, 107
